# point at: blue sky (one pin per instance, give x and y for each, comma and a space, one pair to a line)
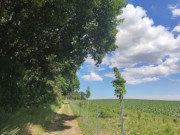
148, 56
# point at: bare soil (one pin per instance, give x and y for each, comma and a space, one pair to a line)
64, 124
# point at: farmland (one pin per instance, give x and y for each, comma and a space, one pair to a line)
141, 117
169, 108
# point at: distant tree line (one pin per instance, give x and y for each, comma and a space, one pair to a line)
75, 95
44, 42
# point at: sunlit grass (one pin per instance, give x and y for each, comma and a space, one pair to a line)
22, 121
136, 122
65, 110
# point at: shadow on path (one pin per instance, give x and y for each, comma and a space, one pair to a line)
60, 123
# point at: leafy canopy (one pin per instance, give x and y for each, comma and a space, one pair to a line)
44, 42
119, 84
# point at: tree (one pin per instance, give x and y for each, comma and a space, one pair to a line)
83, 95
88, 92
48, 39
119, 91
75, 95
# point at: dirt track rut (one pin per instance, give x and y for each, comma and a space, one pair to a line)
64, 124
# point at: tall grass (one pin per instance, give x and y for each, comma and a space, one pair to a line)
21, 121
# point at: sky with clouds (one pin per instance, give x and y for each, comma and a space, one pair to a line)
148, 56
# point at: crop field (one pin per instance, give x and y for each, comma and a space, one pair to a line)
169, 108
141, 117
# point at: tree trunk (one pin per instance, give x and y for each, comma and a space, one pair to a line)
121, 111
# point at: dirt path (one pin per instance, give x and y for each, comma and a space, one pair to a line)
64, 124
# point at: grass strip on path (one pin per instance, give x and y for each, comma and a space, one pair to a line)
65, 110
34, 120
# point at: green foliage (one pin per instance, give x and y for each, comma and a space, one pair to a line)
11, 83
74, 95
119, 84
88, 92
83, 95
44, 42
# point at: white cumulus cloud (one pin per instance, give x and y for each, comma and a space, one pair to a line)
177, 28
92, 77
175, 10
100, 69
139, 41
132, 80
110, 74
90, 61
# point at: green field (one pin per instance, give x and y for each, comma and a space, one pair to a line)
169, 108
141, 117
